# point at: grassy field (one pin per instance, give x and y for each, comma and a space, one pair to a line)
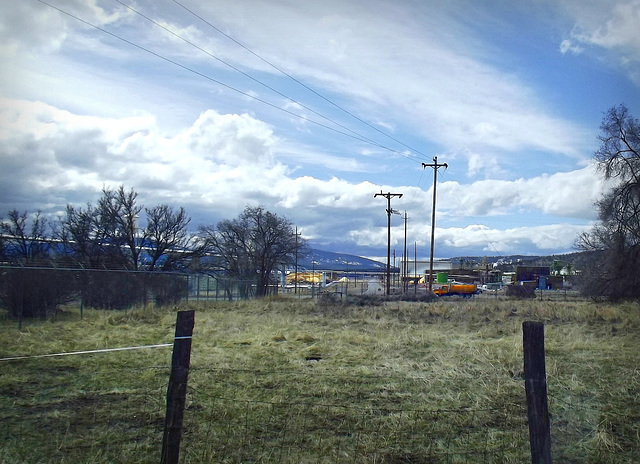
291, 380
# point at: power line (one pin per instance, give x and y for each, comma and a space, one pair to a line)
198, 73
280, 70
247, 75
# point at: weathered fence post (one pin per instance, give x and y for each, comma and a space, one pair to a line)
177, 390
536, 389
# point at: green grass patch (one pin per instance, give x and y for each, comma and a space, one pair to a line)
287, 380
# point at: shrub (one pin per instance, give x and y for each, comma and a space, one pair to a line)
520, 292
28, 293
111, 290
167, 289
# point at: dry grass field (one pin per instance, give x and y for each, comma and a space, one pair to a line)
295, 380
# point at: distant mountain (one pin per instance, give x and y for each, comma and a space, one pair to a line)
330, 261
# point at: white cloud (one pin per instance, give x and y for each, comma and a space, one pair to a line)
562, 194
231, 139
608, 25
26, 27
620, 29
397, 58
393, 63
222, 162
511, 241
569, 46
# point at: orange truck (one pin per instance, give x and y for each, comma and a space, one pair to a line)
454, 288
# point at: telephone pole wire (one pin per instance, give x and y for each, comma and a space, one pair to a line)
388, 196
435, 167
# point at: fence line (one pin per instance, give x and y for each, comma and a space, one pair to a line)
579, 429
70, 353
218, 427
61, 411
68, 410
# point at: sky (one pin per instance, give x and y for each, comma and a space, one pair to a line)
311, 108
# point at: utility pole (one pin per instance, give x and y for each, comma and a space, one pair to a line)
388, 196
415, 268
405, 265
296, 277
435, 167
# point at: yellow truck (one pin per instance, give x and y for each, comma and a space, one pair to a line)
456, 289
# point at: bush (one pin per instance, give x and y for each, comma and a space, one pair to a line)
29, 293
111, 289
168, 289
520, 292
336, 299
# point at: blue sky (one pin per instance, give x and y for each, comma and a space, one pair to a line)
310, 108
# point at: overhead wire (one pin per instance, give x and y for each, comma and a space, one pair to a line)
288, 75
205, 76
247, 75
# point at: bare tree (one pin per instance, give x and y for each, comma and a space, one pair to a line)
120, 213
86, 241
251, 247
25, 242
26, 289
105, 237
616, 238
167, 235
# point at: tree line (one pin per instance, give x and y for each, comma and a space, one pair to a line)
101, 255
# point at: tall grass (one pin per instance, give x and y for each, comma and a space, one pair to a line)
288, 380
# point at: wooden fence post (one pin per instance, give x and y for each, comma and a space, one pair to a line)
536, 390
177, 390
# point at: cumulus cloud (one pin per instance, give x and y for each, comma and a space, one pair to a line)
230, 139
546, 239
562, 194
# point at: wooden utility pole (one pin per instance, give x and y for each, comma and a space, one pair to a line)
405, 264
435, 167
295, 284
388, 196
415, 268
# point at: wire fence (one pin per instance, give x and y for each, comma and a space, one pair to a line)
111, 410
39, 291
73, 409
583, 432
52, 420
